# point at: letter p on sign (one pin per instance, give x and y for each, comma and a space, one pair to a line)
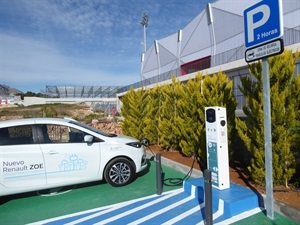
262, 10
263, 22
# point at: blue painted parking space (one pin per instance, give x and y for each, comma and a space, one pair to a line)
181, 206
137, 203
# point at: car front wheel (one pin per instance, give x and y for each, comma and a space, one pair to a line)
119, 172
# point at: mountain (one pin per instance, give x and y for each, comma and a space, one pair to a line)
8, 91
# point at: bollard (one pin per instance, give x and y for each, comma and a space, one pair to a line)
208, 197
158, 174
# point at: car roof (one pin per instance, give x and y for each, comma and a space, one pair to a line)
17, 122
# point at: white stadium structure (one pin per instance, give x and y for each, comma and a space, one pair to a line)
213, 41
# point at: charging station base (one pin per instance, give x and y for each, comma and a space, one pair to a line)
226, 203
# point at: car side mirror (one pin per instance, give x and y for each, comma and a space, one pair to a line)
145, 142
88, 138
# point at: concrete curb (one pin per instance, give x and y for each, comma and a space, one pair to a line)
286, 210
279, 207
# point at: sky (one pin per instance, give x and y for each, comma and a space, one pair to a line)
83, 42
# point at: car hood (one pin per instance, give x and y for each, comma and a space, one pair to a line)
125, 139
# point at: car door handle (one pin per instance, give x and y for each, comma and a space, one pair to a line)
52, 152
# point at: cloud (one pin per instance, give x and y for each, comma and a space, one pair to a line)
25, 60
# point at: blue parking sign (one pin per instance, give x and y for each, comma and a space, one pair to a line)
263, 22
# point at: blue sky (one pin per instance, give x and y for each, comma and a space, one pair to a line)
82, 42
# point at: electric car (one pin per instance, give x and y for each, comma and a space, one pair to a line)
43, 153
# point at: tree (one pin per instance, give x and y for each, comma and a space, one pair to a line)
30, 94
283, 117
167, 112
133, 111
151, 118
295, 147
190, 120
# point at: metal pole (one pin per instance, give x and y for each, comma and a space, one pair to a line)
144, 23
208, 197
158, 174
178, 72
145, 45
268, 139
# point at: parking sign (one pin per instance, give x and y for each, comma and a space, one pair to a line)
263, 22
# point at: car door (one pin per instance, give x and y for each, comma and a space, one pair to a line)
68, 158
21, 159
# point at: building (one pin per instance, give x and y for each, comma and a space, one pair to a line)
212, 42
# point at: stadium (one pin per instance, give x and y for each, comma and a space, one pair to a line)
213, 41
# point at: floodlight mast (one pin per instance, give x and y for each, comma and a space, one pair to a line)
144, 23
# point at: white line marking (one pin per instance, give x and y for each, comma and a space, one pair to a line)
193, 191
137, 208
218, 213
161, 211
183, 215
192, 196
240, 216
117, 205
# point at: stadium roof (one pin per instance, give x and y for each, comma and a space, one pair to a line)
81, 91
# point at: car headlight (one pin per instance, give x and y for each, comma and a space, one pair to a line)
135, 144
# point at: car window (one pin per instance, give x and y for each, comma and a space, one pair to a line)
17, 135
53, 133
93, 129
76, 135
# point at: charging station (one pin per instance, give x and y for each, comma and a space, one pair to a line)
217, 146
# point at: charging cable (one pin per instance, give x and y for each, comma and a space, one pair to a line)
175, 181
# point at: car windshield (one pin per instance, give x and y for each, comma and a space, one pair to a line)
93, 129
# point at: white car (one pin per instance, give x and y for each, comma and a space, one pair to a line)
43, 153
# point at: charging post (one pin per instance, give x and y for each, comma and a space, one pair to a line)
217, 146
208, 198
158, 174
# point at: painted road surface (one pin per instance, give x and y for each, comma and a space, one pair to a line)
182, 206
137, 203
174, 207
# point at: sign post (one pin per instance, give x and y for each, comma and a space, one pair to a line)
263, 23
268, 139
